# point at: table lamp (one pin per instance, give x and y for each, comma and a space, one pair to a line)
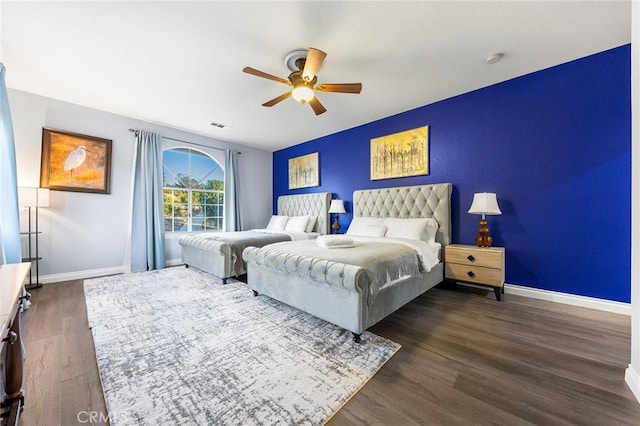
484, 203
337, 207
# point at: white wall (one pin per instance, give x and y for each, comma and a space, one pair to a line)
632, 375
85, 234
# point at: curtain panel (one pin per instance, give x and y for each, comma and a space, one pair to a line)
10, 250
232, 216
147, 246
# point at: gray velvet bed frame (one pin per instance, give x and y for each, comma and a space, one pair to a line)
216, 257
343, 298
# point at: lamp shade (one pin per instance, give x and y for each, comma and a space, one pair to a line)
33, 197
337, 206
485, 203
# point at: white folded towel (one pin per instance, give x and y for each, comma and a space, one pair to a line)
331, 241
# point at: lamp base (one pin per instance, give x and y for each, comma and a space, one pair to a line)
483, 239
335, 225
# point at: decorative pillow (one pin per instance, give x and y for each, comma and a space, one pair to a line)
277, 223
297, 224
367, 227
311, 224
406, 228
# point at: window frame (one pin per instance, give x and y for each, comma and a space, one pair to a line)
213, 155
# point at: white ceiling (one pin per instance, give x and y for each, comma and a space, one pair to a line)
180, 63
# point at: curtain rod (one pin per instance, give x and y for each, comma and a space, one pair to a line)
135, 131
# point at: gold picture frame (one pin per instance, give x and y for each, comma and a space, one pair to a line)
400, 154
303, 171
75, 162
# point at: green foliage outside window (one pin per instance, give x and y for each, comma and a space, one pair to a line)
192, 204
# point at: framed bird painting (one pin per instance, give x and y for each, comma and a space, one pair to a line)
75, 162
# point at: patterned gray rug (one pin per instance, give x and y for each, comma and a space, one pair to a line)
175, 346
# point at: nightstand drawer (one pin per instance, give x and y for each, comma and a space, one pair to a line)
485, 257
486, 276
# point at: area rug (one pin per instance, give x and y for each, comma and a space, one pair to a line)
176, 346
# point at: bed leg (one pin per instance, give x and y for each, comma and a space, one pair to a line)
356, 337
224, 280
255, 293
186, 266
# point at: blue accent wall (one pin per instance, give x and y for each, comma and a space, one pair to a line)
554, 145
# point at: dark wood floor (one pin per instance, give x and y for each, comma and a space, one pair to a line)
465, 359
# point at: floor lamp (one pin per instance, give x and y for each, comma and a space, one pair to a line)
30, 197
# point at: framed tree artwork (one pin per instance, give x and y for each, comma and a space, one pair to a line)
303, 171
400, 154
75, 162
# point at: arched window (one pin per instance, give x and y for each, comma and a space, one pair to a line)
193, 191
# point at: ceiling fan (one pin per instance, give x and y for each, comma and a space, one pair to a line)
304, 65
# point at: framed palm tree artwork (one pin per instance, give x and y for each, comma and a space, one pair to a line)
303, 171
400, 154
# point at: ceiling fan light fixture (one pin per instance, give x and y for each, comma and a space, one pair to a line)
304, 66
302, 93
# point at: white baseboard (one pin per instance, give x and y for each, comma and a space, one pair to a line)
92, 273
174, 262
632, 378
570, 299
81, 275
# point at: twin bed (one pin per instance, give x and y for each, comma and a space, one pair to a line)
220, 253
396, 244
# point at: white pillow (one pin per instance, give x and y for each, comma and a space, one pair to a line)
311, 224
367, 227
430, 231
277, 223
297, 224
406, 228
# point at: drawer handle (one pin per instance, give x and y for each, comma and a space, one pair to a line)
471, 258
471, 274
11, 338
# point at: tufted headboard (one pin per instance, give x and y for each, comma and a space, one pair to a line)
315, 204
429, 201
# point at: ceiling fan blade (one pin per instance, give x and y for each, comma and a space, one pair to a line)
258, 73
318, 108
274, 101
312, 63
341, 88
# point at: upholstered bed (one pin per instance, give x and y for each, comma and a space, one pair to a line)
343, 292
220, 253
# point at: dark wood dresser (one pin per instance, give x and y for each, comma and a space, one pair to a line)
12, 277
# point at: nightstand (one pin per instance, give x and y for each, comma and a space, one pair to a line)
476, 265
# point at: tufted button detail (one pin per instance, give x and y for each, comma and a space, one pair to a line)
304, 204
407, 202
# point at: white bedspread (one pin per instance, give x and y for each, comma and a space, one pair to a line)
429, 253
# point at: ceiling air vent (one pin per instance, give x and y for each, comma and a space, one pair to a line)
218, 125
